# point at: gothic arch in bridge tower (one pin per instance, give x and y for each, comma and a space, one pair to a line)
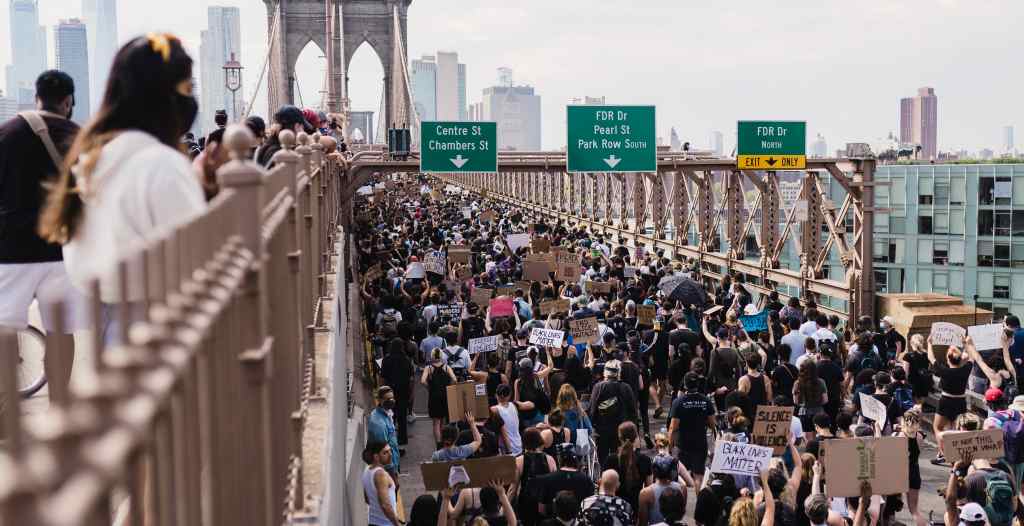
358, 21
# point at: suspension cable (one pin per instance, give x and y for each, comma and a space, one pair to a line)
266, 61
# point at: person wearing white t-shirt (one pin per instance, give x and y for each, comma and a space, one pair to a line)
795, 340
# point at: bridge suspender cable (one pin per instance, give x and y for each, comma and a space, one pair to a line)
266, 61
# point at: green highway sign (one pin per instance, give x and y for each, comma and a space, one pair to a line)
611, 139
771, 145
453, 147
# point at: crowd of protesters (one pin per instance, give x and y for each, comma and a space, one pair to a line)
619, 430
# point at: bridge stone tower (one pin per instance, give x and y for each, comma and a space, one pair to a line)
339, 27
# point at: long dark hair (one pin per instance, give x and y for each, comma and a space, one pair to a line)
810, 387
140, 95
627, 453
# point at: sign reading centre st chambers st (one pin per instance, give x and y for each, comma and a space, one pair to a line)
611, 139
448, 147
771, 145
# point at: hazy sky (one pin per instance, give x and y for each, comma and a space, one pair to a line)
841, 66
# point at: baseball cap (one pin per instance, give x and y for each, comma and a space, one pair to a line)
289, 116
972, 512
311, 117
993, 394
1018, 403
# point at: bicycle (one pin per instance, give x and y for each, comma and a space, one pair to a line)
31, 353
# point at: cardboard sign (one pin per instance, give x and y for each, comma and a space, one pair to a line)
481, 296
378, 196
883, 462
584, 330
567, 266
872, 408
540, 245
986, 337
945, 333
547, 257
487, 216
504, 291
536, 271
479, 471
374, 272
449, 312
645, 314
502, 306
462, 397
463, 273
467, 213
550, 306
980, 444
415, 270
772, 427
547, 337
458, 254
755, 322
485, 344
599, 287
713, 310
434, 262
517, 241
740, 459
436, 196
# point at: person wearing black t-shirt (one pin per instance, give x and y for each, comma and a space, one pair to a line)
692, 415
568, 478
953, 377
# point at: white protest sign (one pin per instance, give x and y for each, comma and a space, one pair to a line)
467, 213
457, 476
517, 241
415, 270
945, 333
986, 337
740, 459
872, 408
480, 389
629, 272
434, 262
546, 337
485, 344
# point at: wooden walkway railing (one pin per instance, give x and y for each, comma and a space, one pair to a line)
198, 419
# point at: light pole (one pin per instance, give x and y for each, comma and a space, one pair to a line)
233, 82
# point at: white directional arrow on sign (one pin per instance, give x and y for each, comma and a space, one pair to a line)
612, 161
459, 161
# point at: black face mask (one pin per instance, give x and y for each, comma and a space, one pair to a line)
187, 110
388, 404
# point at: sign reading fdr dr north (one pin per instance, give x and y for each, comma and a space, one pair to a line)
448, 147
771, 145
611, 139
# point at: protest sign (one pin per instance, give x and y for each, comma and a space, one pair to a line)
629, 272
882, 462
485, 344
641, 252
516, 241
540, 245
736, 458
374, 272
713, 310
458, 254
487, 216
945, 333
872, 408
547, 337
481, 296
536, 271
567, 269
645, 314
502, 307
549, 306
772, 427
436, 196
980, 444
986, 337
504, 291
584, 330
755, 322
463, 273
415, 270
599, 287
462, 397
449, 312
434, 262
378, 196
467, 213
479, 472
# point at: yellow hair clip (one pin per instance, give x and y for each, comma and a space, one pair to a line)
161, 45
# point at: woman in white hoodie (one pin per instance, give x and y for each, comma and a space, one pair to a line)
125, 179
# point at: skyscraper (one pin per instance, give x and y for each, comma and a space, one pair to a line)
73, 58
451, 87
919, 122
819, 148
221, 38
516, 109
673, 140
1008, 145
715, 143
423, 73
101, 23
28, 51
8, 107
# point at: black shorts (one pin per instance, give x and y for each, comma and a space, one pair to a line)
915, 475
694, 460
658, 373
950, 407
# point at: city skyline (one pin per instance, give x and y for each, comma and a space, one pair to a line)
71, 43
220, 42
750, 80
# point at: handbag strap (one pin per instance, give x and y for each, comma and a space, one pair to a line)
38, 125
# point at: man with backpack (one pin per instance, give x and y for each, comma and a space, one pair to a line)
612, 402
456, 356
32, 149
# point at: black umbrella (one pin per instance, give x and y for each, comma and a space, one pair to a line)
684, 289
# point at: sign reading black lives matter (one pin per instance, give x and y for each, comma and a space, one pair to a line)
736, 458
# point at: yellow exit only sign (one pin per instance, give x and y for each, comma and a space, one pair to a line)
771, 162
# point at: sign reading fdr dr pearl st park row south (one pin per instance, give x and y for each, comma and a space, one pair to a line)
771, 145
611, 139
453, 147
